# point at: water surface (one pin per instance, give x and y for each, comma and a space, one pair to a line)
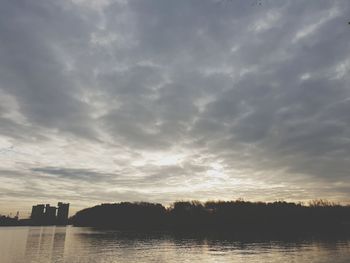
73, 244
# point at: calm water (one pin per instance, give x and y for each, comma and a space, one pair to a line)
70, 244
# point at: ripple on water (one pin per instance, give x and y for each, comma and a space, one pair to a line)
75, 245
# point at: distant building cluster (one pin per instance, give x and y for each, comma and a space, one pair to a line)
50, 214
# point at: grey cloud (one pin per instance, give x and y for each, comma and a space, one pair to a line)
73, 173
32, 69
261, 90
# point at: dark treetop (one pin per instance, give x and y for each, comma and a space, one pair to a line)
219, 216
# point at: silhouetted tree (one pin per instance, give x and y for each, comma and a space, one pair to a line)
237, 216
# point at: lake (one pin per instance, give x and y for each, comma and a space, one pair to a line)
75, 244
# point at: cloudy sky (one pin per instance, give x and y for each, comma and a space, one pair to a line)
162, 100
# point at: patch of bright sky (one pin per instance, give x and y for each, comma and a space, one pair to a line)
160, 159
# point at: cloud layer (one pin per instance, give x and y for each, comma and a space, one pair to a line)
104, 101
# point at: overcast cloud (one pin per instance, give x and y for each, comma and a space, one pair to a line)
107, 101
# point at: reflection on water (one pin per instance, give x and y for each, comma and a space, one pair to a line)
45, 244
69, 244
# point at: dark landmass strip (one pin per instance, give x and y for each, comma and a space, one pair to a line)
8, 221
319, 217
14, 221
42, 215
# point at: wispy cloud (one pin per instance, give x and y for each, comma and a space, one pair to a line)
165, 100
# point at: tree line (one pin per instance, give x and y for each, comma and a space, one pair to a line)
220, 216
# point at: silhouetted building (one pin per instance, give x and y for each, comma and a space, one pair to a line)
62, 212
37, 212
50, 213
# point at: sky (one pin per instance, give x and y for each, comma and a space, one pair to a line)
161, 100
